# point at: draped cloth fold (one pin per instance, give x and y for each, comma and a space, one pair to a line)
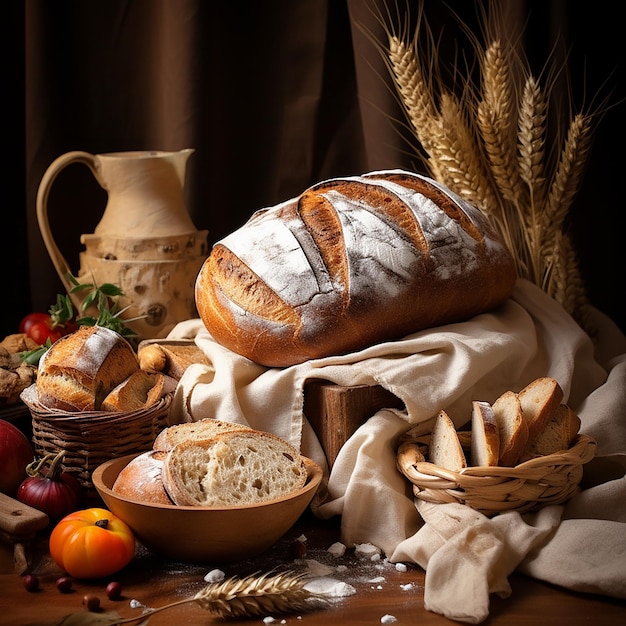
580, 545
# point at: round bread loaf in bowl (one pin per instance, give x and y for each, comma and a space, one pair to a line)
201, 534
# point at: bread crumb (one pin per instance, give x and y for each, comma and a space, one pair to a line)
388, 619
367, 549
337, 549
401, 567
317, 568
215, 576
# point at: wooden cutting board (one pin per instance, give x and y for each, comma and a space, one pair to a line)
335, 412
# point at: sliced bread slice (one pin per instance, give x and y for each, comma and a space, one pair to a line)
205, 428
557, 435
140, 390
445, 449
512, 428
485, 443
539, 400
232, 469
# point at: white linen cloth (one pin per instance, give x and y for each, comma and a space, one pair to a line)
580, 545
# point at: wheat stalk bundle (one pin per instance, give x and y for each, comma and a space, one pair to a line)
490, 145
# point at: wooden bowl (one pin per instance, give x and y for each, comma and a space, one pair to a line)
195, 534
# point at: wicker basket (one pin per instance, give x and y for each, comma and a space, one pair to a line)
550, 479
90, 438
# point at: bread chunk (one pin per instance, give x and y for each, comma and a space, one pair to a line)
139, 391
539, 400
232, 469
557, 435
485, 442
172, 357
445, 449
80, 369
141, 479
512, 428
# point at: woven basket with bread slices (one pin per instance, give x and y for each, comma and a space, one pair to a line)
522, 452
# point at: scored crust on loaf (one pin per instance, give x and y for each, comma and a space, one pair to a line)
512, 428
232, 469
349, 263
80, 369
557, 435
539, 400
445, 449
485, 443
205, 428
141, 479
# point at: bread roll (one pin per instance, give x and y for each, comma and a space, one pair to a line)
234, 468
350, 263
141, 479
79, 370
172, 357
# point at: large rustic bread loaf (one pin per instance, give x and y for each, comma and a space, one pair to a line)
79, 370
349, 263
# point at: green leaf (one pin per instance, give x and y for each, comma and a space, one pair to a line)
31, 357
61, 312
105, 298
90, 618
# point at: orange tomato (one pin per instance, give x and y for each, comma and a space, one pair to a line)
92, 543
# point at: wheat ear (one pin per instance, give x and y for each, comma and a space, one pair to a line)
258, 595
454, 150
243, 597
496, 119
569, 171
414, 90
531, 143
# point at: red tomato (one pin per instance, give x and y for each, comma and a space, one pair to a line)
30, 319
41, 332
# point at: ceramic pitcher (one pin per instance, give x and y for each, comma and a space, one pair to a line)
145, 242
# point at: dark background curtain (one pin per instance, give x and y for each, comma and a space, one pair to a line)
274, 96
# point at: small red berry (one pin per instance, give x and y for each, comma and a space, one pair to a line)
114, 591
64, 584
31, 582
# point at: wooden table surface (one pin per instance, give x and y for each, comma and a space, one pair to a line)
381, 590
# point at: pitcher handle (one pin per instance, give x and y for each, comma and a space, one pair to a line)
43, 191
